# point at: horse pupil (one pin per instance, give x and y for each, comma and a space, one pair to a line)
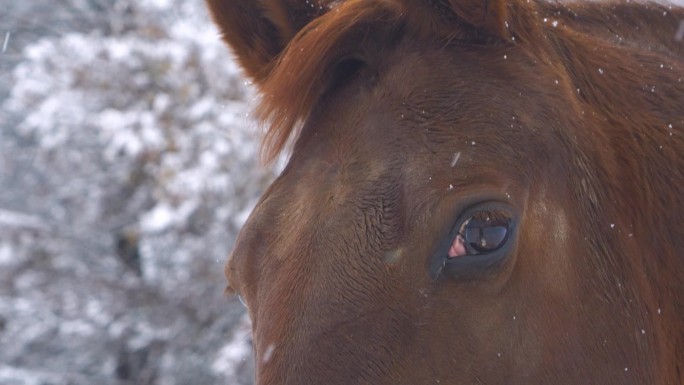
485, 235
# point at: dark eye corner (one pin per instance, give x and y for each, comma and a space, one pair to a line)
479, 243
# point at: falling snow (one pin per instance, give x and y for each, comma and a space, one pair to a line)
268, 354
7, 38
454, 160
679, 35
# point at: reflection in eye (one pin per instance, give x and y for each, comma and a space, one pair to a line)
457, 248
484, 232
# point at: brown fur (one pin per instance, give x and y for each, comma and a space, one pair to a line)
567, 112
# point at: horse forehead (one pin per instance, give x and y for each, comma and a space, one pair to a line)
317, 188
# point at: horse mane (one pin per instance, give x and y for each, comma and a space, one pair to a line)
299, 77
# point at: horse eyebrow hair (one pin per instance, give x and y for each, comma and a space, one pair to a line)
297, 79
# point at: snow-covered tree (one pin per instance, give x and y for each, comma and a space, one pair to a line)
127, 160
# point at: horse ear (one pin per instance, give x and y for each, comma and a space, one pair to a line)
259, 30
438, 16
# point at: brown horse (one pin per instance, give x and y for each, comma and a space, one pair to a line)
479, 192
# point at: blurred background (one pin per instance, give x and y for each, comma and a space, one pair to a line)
127, 165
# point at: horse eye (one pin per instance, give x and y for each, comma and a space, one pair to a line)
482, 232
479, 243
484, 235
